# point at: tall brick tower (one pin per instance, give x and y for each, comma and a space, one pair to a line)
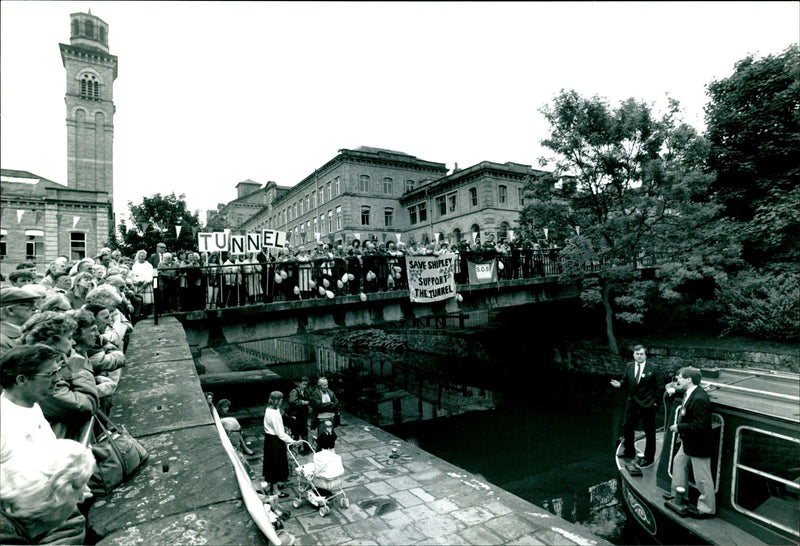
91, 71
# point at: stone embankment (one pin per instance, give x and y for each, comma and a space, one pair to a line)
187, 492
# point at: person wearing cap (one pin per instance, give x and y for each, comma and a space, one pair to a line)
16, 307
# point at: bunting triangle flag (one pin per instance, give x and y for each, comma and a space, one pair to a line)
75, 220
20, 212
358, 236
178, 230
38, 215
195, 231
436, 236
578, 230
510, 234
545, 232
474, 236
398, 235
144, 226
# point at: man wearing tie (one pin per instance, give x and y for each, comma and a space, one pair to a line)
693, 424
644, 385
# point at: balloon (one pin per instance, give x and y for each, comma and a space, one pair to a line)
326, 283
344, 278
397, 268
297, 290
370, 276
340, 284
329, 294
284, 274
500, 266
351, 277
459, 298
312, 284
321, 291
278, 278
363, 296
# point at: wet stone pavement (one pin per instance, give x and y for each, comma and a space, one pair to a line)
399, 494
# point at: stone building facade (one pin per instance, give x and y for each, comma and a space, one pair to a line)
42, 219
483, 199
354, 195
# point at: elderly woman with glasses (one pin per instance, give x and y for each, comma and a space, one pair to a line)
75, 397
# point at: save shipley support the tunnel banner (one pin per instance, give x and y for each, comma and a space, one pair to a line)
431, 278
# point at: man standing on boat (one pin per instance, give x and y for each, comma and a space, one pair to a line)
693, 424
645, 386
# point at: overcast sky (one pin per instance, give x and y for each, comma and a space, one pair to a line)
212, 93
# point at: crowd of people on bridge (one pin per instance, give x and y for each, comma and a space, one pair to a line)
62, 351
189, 281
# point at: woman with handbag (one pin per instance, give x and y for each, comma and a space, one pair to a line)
276, 462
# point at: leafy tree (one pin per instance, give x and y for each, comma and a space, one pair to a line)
154, 222
753, 120
632, 189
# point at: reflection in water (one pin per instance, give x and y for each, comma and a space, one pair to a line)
547, 436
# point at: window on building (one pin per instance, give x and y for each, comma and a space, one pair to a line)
330, 221
88, 29
364, 215
388, 217
763, 483
316, 226
452, 201
102, 34
313, 199
441, 205
388, 186
473, 197
338, 217
301, 206
502, 194
90, 87
328, 189
296, 233
337, 185
321, 199
521, 196
75, 27
322, 223
409, 185
418, 213
308, 203
34, 244
294, 215
3, 249
363, 183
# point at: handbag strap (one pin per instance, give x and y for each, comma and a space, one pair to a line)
108, 431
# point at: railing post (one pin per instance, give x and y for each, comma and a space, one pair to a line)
156, 297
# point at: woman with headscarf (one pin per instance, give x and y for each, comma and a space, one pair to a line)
142, 275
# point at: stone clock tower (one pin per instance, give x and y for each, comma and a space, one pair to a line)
91, 71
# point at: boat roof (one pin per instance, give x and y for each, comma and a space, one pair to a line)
766, 392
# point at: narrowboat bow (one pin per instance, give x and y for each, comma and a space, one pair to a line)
756, 465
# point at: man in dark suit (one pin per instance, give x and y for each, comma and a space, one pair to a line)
645, 385
157, 256
693, 424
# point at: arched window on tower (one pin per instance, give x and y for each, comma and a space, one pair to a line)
88, 29
90, 87
102, 34
76, 27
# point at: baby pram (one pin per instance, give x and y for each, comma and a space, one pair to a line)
320, 480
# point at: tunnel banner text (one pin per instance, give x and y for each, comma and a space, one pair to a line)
431, 278
224, 241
